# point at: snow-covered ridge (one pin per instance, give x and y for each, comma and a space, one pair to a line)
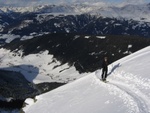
128, 90
136, 12
39, 9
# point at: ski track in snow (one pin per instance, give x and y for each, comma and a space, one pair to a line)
131, 92
131, 88
139, 100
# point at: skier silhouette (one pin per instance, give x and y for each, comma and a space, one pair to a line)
104, 68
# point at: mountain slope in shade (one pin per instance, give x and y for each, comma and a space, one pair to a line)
128, 90
97, 19
38, 68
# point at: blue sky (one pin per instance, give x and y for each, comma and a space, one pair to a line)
37, 2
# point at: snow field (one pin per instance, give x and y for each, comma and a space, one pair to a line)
38, 68
128, 90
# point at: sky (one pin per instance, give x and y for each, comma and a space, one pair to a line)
40, 2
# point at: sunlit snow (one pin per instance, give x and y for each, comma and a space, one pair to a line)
127, 90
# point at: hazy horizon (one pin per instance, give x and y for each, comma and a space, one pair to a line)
41, 2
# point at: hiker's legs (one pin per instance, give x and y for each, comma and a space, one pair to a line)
106, 70
103, 72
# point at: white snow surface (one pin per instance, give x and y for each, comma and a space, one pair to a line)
38, 68
127, 90
9, 37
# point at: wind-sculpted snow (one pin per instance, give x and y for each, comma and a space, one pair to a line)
128, 90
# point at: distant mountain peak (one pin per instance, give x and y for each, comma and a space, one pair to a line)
129, 11
83, 18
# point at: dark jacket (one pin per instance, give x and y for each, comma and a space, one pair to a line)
104, 64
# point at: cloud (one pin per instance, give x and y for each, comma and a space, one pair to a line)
38, 2
135, 1
19, 2
126, 2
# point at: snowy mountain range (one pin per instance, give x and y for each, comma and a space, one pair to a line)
62, 43
98, 19
130, 11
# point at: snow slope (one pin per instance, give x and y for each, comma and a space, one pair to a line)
38, 68
128, 90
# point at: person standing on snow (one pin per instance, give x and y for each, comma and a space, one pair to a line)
104, 68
